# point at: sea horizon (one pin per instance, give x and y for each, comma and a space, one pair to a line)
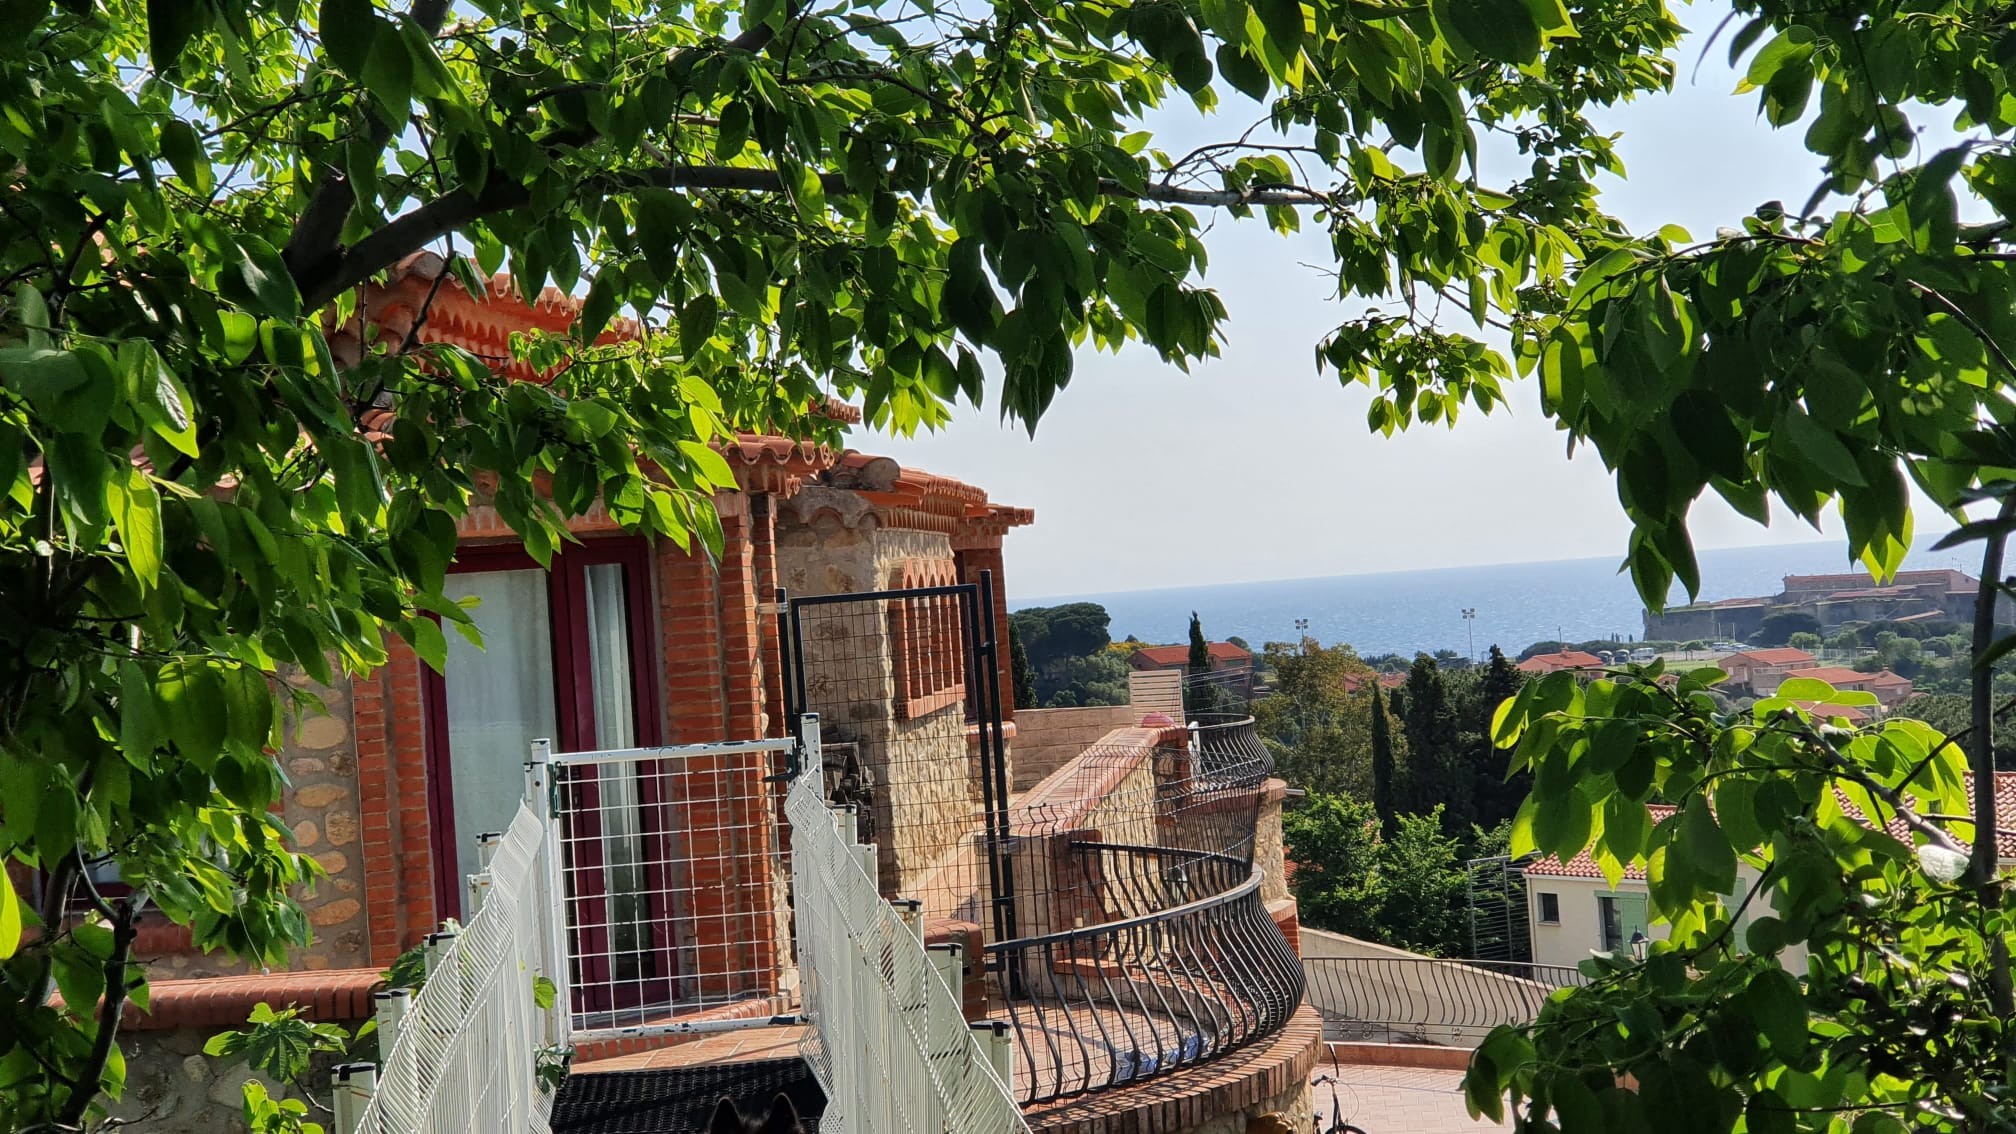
1420, 610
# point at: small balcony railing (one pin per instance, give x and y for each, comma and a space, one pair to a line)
1229, 750
1186, 966
1388, 999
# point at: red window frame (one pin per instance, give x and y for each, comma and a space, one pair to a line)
574, 704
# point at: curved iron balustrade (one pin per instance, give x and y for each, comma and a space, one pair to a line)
1415, 999
1230, 751
1186, 966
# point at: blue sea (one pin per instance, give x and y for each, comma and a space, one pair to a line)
1516, 603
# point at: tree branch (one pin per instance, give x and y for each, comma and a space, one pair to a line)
446, 214
1848, 770
1221, 198
1981, 865
110, 1011
312, 244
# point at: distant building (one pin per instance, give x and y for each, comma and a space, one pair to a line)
1556, 662
1889, 688
1833, 600
1768, 667
1353, 682
1226, 659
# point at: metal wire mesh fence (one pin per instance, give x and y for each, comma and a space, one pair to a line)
1428, 1000
465, 1055
675, 892
889, 1042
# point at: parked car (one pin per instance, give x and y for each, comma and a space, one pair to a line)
1643, 654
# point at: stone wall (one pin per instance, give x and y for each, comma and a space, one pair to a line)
1268, 852
922, 785
1046, 738
173, 1088
321, 808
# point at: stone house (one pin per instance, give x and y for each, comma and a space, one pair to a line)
623, 643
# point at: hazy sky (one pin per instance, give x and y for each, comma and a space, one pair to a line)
1257, 467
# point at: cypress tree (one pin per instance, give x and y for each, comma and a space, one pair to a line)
1020, 671
1200, 650
1382, 765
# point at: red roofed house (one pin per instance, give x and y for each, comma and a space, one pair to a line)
1750, 667
1226, 658
623, 642
1556, 662
1889, 688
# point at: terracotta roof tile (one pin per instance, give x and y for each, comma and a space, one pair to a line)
1566, 659
1180, 655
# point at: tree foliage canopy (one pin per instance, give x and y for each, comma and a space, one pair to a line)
802, 199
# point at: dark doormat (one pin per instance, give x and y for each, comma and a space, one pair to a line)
681, 1100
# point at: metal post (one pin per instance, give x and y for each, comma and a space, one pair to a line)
352, 1087
999, 1045
479, 888
486, 848
550, 891
436, 948
992, 673
388, 1007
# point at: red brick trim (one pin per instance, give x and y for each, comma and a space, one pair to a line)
591, 1055
1287, 917
1429, 1055
1189, 1099
225, 1002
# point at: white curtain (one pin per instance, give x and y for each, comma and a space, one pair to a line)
615, 727
500, 699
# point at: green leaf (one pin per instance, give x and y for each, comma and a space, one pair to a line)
1806, 689
256, 279
1496, 29
388, 75
1705, 847
136, 515
1778, 1007
347, 28
1823, 448
192, 705
1286, 26
10, 917
139, 724
171, 24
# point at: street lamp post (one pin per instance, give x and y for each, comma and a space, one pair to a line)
1301, 635
1470, 624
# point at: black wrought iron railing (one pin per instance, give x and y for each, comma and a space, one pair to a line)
1143, 995
1428, 1000
1230, 752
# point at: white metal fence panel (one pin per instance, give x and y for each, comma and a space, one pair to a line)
673, 887
888, 1041
466, 1053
